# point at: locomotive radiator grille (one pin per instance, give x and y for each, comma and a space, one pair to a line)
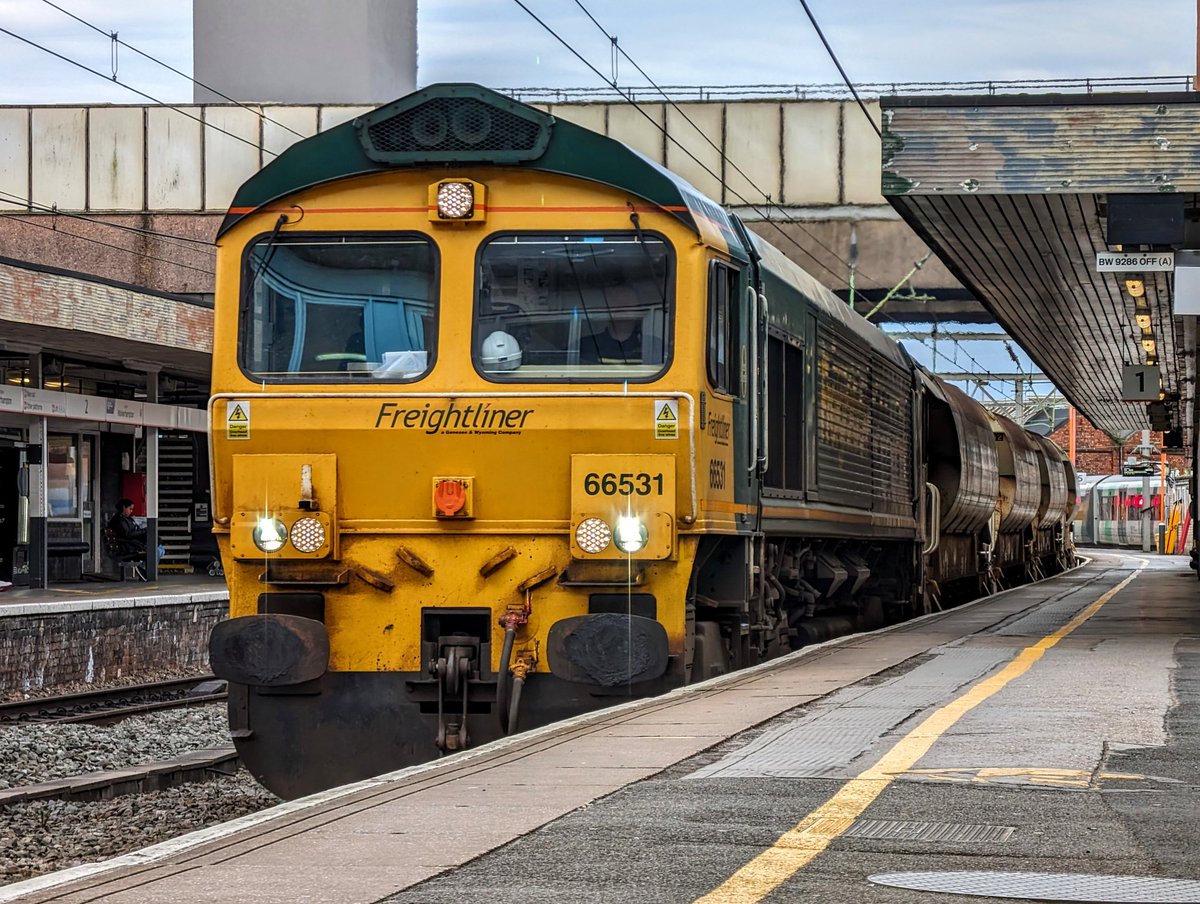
454, 128
864, 426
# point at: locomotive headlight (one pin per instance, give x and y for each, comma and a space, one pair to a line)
631, 534
593, 535
307, 535
455, 200
270, 534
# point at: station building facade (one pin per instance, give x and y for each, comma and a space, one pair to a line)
102, 397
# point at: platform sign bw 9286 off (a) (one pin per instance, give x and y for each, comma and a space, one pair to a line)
1140, 382
1135, 261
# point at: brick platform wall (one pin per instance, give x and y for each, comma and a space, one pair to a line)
1098, 453
55, 648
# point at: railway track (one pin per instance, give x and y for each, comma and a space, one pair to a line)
142, 778
109, 705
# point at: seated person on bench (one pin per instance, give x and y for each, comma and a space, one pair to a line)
130, 534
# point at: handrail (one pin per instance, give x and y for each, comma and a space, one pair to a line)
765, 451
935, 519
752, 297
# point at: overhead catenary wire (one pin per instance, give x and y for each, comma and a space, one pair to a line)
838, 63
672, 139
938, 353
618, 49
983, 370
875, 127
137, 91
113, 37
612, 83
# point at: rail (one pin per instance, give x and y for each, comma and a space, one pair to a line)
196, 766
112, 704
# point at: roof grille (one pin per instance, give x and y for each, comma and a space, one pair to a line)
454, 129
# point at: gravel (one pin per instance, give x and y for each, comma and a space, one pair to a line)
43, 836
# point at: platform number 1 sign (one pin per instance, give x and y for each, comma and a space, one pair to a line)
1140, 382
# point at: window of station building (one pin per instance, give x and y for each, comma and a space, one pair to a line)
724, 329
339, 308
62, 476
574, 307
785, 413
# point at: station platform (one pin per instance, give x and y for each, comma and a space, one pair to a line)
87, 595
1043, 744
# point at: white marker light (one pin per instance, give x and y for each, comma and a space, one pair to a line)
308, 535
593, 535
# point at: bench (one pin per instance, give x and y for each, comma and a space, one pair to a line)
129, 561
60, 549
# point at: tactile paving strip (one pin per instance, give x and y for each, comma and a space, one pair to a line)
1046, 620
895, 830
1049, 886
1053, 614
822, 743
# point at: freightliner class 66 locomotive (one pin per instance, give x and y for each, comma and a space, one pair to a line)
510, 423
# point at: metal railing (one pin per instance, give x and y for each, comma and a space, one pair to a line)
839, 91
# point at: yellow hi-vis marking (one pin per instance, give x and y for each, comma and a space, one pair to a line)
797, 847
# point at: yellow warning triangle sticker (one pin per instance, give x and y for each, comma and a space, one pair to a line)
666, 414
237, 414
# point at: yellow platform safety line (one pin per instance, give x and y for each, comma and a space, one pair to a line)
800, 845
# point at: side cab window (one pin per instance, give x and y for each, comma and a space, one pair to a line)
724, 329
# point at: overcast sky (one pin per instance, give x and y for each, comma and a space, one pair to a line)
678, 42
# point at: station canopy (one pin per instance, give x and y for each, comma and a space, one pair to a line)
1021, 195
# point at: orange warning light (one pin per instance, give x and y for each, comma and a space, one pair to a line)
452, 497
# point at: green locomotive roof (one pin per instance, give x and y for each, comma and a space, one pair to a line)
457, 125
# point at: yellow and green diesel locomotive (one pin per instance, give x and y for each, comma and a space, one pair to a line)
510, 423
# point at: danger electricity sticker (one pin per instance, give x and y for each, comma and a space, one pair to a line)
666, 419
237, 420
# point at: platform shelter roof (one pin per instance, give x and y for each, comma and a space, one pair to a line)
1019, 194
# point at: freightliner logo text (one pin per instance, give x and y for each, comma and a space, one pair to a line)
478, 417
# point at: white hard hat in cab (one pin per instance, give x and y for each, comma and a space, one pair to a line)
500, 351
